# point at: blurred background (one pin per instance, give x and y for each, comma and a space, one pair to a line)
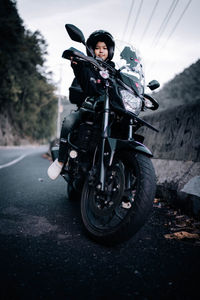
165, 32
35, 79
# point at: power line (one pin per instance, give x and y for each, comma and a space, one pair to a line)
149, 21
165, 23
136, 19
172, 31
129, 15
178, 21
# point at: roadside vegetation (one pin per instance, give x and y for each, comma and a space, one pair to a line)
27, 97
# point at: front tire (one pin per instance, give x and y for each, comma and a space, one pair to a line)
128, 211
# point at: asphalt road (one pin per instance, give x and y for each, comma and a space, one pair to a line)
45, 253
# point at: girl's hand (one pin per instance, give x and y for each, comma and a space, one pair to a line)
72, 61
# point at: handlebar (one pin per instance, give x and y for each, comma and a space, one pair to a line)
98, 63
101, 65
72, 52
153, 101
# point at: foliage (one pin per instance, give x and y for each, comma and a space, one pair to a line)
184, 89
25, 91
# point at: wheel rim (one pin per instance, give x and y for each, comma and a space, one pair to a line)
106, 211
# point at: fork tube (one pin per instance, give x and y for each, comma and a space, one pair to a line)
104, 135
130, 132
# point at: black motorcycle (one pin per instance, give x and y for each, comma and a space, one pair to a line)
108, 166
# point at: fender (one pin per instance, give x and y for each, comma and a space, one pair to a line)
117, 145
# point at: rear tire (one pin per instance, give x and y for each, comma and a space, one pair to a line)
127, 215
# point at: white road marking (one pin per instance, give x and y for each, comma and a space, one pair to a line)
13, 162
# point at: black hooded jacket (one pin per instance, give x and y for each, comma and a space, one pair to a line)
87, 82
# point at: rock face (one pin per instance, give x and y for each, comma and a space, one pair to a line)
176, 174
191, 192
192, 186
179, 133
178, 182
176, 150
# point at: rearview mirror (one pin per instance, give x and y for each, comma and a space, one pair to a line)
154, 84
75, 33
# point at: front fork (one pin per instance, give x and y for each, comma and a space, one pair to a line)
104, 137
112, 142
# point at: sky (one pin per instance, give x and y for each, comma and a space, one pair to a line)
166, 32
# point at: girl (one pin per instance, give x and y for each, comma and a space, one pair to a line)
100, 44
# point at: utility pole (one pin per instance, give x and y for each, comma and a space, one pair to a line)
59, 103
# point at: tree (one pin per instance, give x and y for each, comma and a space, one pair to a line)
25, 92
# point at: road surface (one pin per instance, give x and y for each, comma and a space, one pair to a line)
45, 253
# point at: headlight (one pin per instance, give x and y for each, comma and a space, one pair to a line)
131, 102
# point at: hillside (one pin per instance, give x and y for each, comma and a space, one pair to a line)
183, 89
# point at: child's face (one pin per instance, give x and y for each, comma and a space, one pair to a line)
101, 50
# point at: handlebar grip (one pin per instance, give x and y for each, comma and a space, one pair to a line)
153, 101
67, 54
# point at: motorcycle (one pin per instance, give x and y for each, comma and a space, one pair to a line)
108, 166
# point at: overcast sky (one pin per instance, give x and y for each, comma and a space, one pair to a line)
168, 40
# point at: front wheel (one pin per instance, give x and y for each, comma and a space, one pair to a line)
113, 216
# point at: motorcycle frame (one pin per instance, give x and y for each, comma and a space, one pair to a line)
115, 144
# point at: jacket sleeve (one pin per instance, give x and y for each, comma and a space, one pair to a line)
88, 78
